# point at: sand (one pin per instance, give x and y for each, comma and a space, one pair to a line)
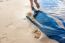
14, 27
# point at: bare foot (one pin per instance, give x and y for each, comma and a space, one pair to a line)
30, 14
37, 33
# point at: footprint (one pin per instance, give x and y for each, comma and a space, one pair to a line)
9, 25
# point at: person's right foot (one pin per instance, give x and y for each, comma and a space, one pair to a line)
36, 33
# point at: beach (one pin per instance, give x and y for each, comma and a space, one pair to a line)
14, 26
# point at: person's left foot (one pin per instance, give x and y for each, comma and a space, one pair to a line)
31, 16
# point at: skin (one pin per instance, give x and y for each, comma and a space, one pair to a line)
35, 1
31, 4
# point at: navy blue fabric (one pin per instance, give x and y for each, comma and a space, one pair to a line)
63, 22
45, 19
50, 27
